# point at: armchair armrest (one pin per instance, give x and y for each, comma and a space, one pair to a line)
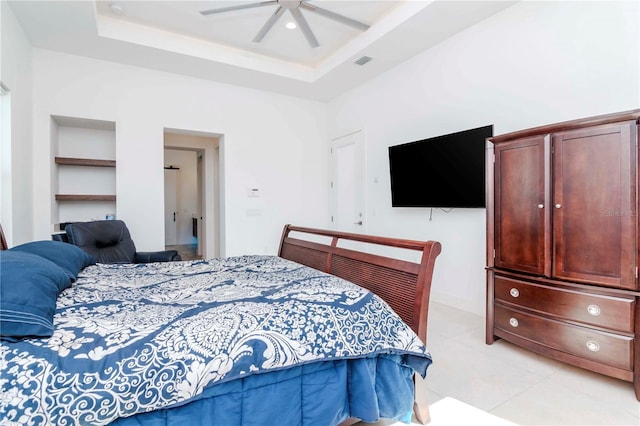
157, 256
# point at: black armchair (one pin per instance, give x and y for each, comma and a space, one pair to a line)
109, 241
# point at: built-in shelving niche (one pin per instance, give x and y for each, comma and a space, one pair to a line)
84, 169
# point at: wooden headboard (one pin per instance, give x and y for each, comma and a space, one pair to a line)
3, 240
404, 285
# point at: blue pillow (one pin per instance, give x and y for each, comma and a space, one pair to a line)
72, 259
29, 287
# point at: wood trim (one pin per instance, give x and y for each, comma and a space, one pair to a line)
490, 202
633, 115
84, 197
384, 241
490, 316
3, 240
636, 354
548, 203
68, 161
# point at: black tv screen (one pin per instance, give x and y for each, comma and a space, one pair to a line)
445, 171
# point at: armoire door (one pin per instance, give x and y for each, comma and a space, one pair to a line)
594, 214
522, 221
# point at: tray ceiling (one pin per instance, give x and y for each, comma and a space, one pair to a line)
174, 36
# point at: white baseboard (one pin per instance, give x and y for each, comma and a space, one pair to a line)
475, 307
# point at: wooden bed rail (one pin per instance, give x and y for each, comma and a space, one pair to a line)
404, 285
3, 240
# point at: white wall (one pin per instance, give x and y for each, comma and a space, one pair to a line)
15, 134
535, 63
274, 142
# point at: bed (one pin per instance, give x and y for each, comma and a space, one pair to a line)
321, 334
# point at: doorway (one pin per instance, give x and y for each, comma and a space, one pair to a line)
193, 171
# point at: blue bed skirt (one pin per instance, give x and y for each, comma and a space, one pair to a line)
315, 394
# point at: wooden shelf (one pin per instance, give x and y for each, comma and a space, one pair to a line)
68, 161
84, 197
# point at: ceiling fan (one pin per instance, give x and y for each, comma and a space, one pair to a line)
293, 6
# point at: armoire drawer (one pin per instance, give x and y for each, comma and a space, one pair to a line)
606, 348
615, 313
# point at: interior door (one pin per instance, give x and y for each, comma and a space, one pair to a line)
170, 206
347, 183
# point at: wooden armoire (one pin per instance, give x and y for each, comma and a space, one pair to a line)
562, 242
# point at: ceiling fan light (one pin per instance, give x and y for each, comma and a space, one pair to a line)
291, 25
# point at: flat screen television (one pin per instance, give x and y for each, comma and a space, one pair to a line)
445, 171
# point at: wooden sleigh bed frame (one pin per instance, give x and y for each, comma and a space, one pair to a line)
404, 285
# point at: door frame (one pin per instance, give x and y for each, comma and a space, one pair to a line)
211, 178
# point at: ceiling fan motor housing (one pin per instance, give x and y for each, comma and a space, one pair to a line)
289, 4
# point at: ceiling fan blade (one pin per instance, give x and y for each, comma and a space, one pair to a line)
304, 26
267, 26
335, 16
239, 7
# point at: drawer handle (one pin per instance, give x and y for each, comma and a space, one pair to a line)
593, 310
513, 322
514, 292
593, 346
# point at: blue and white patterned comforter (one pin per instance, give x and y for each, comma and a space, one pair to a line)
136, 338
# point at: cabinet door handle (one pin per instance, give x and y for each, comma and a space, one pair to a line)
541, 206
514, 292
513, 322
558, 206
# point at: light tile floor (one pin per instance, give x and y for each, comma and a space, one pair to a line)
516, 384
